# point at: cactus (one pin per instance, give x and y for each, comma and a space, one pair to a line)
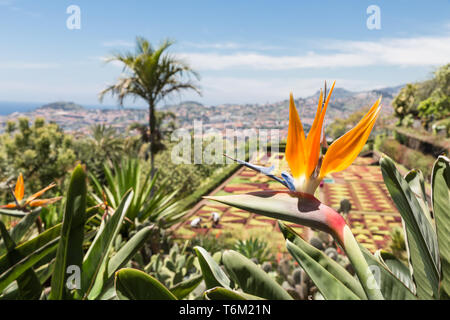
172, 268
267, 267
317, 243
332, 253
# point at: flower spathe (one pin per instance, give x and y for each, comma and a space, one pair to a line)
32, 201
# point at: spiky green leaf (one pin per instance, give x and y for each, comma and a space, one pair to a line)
421, 237
441, 207
251, 278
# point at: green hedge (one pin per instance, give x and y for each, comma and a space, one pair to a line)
408, 157
213, 182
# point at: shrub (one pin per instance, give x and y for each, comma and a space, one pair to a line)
410, 158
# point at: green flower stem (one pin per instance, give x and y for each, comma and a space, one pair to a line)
358, 261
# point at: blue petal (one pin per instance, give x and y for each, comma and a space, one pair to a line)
289, 181
263, 170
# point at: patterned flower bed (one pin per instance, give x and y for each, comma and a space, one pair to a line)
372, 217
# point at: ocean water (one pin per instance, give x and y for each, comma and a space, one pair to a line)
7, 108
11, 107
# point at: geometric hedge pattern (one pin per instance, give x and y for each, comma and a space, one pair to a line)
372, 217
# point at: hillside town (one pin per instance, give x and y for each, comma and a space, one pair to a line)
74, 118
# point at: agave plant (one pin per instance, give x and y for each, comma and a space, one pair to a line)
147, 204
59, 252
253, 248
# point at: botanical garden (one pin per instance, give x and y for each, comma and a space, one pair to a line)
358, 209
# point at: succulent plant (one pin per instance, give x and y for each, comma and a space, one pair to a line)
253, 248
317, 243
171, 268
332, 253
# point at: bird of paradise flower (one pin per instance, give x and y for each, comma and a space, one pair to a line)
21, 204
308, 167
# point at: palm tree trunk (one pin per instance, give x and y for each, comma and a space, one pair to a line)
152, 124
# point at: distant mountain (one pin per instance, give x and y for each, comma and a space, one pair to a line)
61, 105
344, 102
337, 93
183, 103
389, 92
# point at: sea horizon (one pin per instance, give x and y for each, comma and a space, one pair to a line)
9, 107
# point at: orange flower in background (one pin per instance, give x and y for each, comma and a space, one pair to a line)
32, 200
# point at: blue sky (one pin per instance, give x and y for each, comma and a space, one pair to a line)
245, 51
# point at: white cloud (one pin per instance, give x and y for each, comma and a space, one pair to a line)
420, 51
217, 89
230, 45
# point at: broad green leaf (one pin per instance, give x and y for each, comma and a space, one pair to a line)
391, 287
326, 262
183, 288
128, 250
21, 228
397, 268
31, 246
251, 278
330, 287
303, 209
219, 293
212, 273
13, 213
441, 207
70, 248
417, 184
16, 270
109, 292
421, 237
28, 283
94, 271
43, 273
133, 284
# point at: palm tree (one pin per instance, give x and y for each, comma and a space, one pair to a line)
105, 145
152, 75
105, 139
164, 126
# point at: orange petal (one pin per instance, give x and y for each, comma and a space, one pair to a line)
43, 202
316, 118
9, 206
313, 140
20, 188
39, 193
295, 145
344, 150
